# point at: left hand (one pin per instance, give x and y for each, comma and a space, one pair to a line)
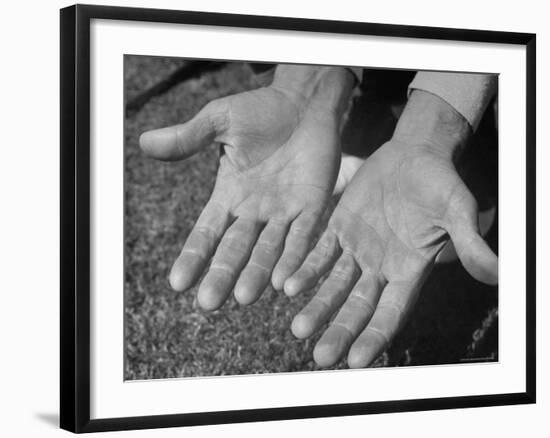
382, 240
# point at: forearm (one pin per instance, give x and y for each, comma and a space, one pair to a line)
429, 121
329, 88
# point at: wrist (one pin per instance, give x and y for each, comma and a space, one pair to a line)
431, 123
327, 88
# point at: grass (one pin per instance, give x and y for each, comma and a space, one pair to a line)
167, 335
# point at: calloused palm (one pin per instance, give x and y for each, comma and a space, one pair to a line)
277, 174
394, 217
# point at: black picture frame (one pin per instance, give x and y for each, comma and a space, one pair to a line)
75, 217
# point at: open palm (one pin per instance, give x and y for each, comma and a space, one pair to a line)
381, 243
280, 163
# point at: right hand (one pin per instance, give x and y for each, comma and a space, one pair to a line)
278, 172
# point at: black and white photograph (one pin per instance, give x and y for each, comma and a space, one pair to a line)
275, 218
281, 218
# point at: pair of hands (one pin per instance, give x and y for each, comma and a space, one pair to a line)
281, 161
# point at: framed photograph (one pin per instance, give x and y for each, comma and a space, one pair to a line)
268, 218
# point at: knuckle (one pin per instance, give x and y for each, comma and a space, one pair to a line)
291, 258
301, 230
380, 334
234, 244
343, 326
205, 232
343, 270
360, 301
216, 113
258, 266
308, 271
266, 247
392, 306
221, 267
320, 303
326, 244
193, 252
279, 222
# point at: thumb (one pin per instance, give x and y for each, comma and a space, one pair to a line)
472, 250
179, 142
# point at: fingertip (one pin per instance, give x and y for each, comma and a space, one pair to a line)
488, 276
146, 141
364, 351
161, 144
475, 254
480, 261
208, 300
291, 287
185, 272
243, 295
277, 280
324, 354
359, 357
283, 271
493, 280
213, 292
491, 273
178, 279
252, 282
301, 326
285, 268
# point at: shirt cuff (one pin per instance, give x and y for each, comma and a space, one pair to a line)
468, 93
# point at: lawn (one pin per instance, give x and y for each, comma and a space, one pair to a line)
167, 335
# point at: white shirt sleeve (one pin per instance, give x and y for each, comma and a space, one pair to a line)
468, 93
